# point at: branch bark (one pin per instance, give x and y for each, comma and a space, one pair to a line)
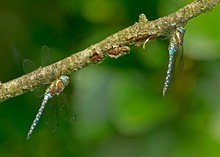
113, 46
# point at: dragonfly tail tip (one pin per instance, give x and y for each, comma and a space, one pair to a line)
28, 136
164, 92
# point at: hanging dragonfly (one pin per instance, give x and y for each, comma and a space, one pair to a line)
55, 88
176, 41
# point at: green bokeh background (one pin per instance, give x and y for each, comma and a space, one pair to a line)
119, 105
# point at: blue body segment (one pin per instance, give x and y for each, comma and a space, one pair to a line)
176, 41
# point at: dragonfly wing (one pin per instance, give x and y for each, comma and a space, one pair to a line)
181, 60
46, 58
51, 115
65, 109
28, 66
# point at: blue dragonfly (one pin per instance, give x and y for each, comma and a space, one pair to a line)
55, 88
176, 41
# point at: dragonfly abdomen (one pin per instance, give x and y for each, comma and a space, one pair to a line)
171, 64
47, 96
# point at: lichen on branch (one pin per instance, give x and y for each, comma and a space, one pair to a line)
113, 46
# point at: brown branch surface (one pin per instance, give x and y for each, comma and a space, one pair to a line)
113, 46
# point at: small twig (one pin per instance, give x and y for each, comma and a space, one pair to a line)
114, 46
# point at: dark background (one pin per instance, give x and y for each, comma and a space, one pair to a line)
119, 105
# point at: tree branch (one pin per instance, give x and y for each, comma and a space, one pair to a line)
113, 46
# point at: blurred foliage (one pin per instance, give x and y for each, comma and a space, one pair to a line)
119, 105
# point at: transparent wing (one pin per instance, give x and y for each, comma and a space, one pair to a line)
65, 109
46, 58
181, 60
28, 66
51, 115
58, 107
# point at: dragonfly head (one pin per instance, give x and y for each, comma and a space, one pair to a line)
65, 80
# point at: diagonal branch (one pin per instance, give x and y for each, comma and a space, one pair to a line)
113, 46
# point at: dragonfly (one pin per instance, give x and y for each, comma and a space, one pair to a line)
176, 41
55, 88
